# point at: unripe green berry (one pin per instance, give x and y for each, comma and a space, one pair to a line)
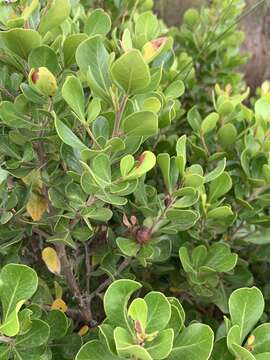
43, 81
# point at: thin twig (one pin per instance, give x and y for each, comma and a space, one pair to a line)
91, 135
7, 93
108, 281
118, 116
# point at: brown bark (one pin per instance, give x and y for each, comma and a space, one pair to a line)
257, 29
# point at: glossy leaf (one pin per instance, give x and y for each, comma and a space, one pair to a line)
57, 12
130, 72
246, 307
98, 23
72, 92
194, 343
21, 41
122, 290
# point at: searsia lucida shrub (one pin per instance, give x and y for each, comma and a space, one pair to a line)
134, 185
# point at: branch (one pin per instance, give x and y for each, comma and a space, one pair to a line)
6, 340
72, 283
108, 281
73, 313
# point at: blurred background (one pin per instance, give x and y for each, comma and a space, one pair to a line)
256, 27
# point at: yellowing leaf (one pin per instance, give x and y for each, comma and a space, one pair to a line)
51, 260
34, 179
83, 330
153, 48
36, 206
59, 304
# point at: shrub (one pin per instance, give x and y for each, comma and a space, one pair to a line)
134, 194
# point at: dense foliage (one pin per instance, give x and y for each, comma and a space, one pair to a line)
134, 185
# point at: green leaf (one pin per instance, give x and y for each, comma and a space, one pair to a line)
3, 175
183, 218
185, 258
246, 306
227, 135
5, 352
10, 116
128, 247
177, 320
67, 136
194, 119
264, 356
220, 212
69, 346
159, 311
72, 92
220, 258
147, 162
189, 196
219, 169
57, 13
58, 324
98, 23
266, 173
209, 123
175, 90
101, 166
151, 104
130, 72
138, 311
181, 154
21, 41
164, 163
261, 343
193, 180
11, 325
234, 344
225, 108
106, 334
97, 214
126, 164
70, 46
144, 123
37, 335
32, 95
146, 28
194, 343
219, 187
94, 109
116, 311
44, 56
220, 351
262, 107
162, 345
93, 58
95, 350
17, 284
125, 346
